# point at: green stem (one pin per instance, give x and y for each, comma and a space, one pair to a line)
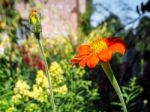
108, 71
48, 75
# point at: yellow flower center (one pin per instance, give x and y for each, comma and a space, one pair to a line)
98, 45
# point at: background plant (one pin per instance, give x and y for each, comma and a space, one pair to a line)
131, 92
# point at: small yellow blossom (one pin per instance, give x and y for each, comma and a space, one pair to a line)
39, 94
55, 69
21, 87
62, 90
21, 91
41, 79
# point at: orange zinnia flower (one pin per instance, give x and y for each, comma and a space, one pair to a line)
99, 50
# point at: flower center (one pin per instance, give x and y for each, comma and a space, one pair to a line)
98, 45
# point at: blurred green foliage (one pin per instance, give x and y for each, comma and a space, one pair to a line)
85, 26
130, 93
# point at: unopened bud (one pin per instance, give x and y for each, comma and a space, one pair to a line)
35, 22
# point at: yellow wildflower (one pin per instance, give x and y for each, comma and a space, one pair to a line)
21, 87
41, 79
62, 90
21, 91
39, 94
55, 69
56, 73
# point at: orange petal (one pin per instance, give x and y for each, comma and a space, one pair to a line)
113, 40
105, 55
117, 47
83, 50
83, 61
115, 44
92, 61
75, 60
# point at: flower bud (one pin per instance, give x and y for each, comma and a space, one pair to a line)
35, 22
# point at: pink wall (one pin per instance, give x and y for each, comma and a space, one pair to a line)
59, 17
